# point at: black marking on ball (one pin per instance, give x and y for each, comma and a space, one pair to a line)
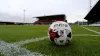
69, 35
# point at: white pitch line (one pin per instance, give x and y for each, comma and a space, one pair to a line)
84, 35
90, 30
29, 40
20, 43
8, 49
14, 49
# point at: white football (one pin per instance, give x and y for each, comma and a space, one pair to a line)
60, 32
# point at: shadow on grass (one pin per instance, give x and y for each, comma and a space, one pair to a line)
59, 46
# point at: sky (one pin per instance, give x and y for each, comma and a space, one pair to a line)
13, 10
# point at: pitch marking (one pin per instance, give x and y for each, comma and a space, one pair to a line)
84, 35
29, 40
90, 30
13, 50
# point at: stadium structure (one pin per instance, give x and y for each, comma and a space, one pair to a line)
93, 17
49, 19
14, 23
6, 23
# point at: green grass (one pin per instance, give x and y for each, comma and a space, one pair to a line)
18, 33
96, 28
1, 54
80, 30
80, 46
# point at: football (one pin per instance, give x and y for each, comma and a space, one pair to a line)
60, 33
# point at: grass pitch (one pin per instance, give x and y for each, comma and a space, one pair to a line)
79, 46
1, 54
18, 33
96, 28
80, 30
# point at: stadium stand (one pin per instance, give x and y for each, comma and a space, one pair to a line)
49, 19
94, 15
7, 23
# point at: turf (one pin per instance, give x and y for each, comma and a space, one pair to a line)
96, 28
80, 30
18, 33
1, 54
80, 46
